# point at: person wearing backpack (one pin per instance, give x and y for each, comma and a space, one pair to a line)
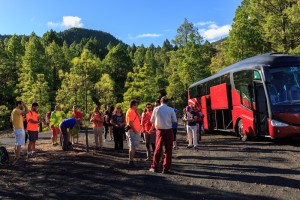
18, 127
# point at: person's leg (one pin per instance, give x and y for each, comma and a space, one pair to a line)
96, 136
157, 152
55, 132
105, 131
122, 132
115, 132
168, 141
152, 140
29, 148
190, 136
147, 140
174, 136
110, 132
17, 151
100, 131
20, 140
119, 139
66, 141
195, 138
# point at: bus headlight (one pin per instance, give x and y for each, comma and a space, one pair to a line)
277, 123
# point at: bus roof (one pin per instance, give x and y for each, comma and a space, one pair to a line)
252, 62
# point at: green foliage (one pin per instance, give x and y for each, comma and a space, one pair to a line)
187, 33
279, 23
117, 64
105, 90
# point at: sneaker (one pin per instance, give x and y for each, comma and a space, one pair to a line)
189, 147
152, 170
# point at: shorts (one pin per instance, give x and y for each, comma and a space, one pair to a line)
33, 136
133, 139
20, 137
55, 130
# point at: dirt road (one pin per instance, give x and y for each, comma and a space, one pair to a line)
222, 168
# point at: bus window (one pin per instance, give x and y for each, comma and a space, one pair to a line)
242, 81
256, 75
283, 85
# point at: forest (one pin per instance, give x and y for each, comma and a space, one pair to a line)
93, 68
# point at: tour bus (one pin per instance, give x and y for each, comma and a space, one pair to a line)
258, 96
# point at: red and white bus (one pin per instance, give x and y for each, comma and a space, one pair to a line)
258, 96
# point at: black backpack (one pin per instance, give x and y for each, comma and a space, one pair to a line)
4, 158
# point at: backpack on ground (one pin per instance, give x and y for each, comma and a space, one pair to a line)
4, 158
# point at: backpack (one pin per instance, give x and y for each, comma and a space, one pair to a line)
4, 158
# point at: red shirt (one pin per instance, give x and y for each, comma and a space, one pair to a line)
97, 117
146, 123
77, 114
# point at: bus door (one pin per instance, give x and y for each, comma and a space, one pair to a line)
260, 108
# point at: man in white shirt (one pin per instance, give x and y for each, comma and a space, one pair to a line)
163, 118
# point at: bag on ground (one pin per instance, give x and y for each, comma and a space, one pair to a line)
4, 158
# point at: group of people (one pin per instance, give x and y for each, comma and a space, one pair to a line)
158, 125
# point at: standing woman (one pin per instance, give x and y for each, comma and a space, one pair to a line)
97, 120
149, 132
118, 123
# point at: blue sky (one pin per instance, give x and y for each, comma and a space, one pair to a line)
132, 21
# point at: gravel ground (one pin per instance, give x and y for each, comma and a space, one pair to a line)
221, 168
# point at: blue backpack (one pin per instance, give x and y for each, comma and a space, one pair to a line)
4, 158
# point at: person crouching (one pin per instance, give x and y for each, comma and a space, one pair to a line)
64, 126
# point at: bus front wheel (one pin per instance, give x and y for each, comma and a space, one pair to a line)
240, 131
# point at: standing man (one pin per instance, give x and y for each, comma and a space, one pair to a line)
17, 121
163, 118
133, 119
32, 118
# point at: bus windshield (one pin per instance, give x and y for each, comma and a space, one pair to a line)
283, 84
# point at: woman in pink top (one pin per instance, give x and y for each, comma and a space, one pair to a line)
97, 120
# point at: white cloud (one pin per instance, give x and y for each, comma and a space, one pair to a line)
214, 32
53, 24
148, 35
67, 22
72, 21
204, 23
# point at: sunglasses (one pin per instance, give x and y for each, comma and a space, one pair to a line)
148, 107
